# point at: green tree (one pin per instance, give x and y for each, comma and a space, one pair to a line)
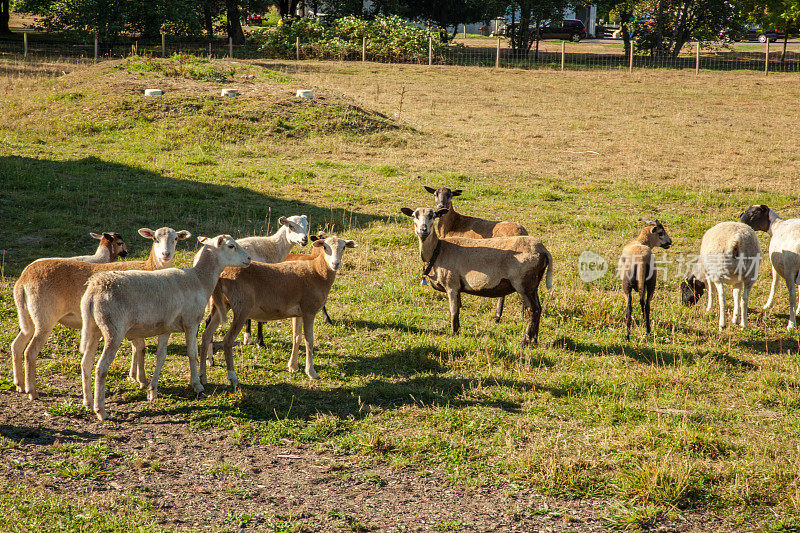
780, 14
5, 16
532, 13
624, 10
444, 14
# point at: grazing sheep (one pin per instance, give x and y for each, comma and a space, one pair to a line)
729, 255
637, 269
273, 249
454, 224
784, 252
48, 292
140, 304
110, 247
490, 267
274, 291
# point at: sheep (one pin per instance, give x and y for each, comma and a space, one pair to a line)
637, 269
315, 251
49, 292
454, 224
729, 254
274, 291
784, 252
273, 249
123, 304
489, 267
110, 247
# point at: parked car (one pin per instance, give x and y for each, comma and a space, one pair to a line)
752, 32
567, 30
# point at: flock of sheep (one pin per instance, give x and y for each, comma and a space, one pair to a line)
257, 278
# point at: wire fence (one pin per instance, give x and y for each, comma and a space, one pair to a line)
552, 55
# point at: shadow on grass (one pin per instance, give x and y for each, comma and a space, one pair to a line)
41, 436
49, 207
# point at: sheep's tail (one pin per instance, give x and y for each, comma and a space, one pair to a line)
548, 280
23, 314
643, 274
87, 317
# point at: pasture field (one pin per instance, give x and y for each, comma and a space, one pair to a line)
409, 428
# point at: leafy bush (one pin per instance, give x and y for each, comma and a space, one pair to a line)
178, 66
388, 38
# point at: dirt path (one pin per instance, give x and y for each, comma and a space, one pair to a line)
203, 480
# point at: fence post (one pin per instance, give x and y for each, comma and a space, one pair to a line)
630, 65
297, 48
465, 31
497, 56
364, 48
563, 49
697, 59
95, 46
230, 47
25, 40
430, 50
766, 57
163, 45
209, 49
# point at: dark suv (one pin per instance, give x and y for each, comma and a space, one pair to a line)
567, 30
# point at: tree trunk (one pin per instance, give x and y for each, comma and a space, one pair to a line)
626, 38
234, 22
208, 21
5, 15
538, 33
785, 40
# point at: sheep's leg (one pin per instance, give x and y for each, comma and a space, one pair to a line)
207, 343
772, 287
260, 336
498, 308
628, 314
533, 307
721, 299
191, 350
110, 348
137, 372
89, 345
161, 356
31, 354
644, 300
18, 356
710, 295
743, 307
797, 309
297, 336
326, 316
737, 296
227, 345
308, 331
792, 299
247, 337
454, 297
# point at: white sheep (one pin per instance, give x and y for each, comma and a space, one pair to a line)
729, 255
784, 252
48, 292
148, 304
109, 248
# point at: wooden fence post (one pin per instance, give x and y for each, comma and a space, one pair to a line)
25, 40
630, 65
697, 59
497, 56
297, 48
766, 57
163, 44
563, 49
364, 48
430, 50
465, 31
230, 47
95, 46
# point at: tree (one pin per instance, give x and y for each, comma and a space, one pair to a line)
623, 9
5, 16
287, 8
234, 21
532, 13
780, 14
442, 13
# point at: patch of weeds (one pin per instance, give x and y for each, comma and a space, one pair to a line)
225, 468
578, 479
447, 525
634, 518
352, 523
21, 465
388, 171
6, 384
89, 461
784, 527
374, 478
286, 524
7, 444
276, 77
68, 408
239, 519
68, 97
201, 161
666, 481
155, 466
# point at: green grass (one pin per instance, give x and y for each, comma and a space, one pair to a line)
686, 420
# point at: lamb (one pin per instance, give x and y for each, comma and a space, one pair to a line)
146, 304
489, 267
110, 247
454, 224
273, 291
729, 254
49, 292
636, 268
273, 249
307, 257
784, 252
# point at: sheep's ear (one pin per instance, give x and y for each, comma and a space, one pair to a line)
95, 236
318, 243
430, 189
350, 244
147, 233
456, 192
441, 212
647, 221
202, 240
108, 236
313, 238
407, 211
283, 222
183, 234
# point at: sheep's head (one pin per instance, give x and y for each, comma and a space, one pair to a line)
443, 196
655, 233
298, 229
423, 219
333, 248
229, 252
692, 290
114, 242
757, 217
165, 240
